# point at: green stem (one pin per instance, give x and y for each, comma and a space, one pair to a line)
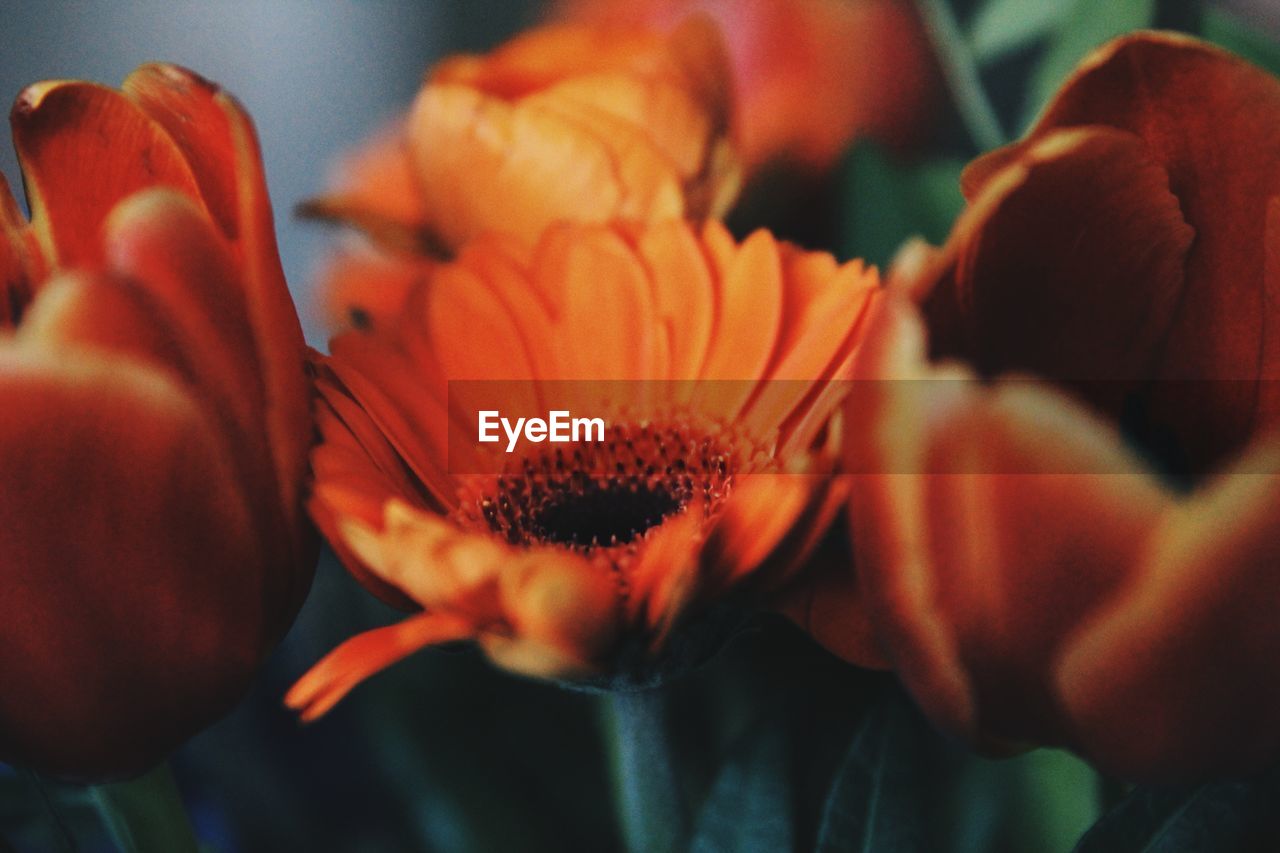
146, 813
961, 73
66, 842
651, 807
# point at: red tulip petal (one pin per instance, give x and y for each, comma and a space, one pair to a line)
1209, 119
20, 264
80, 309
1045, 516
274, 320
131, 566
184, 104
165, 244
985, 524
1176, 677
1081, 236
83, 149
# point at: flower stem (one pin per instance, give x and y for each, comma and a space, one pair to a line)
58, 826
145, 813
649, 796
961, 73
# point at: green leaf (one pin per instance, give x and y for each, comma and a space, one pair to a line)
877, 803
891, 202
750, 805
146, 813
1221, 816
648, 789
1002, 26
1223, 28
1088, 24
960, 71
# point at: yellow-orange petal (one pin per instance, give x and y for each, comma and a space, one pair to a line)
375, 190
560, 605
345, 667
364, 289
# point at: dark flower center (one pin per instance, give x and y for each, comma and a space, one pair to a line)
604, 494
610, 514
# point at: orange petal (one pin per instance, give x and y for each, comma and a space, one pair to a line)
342, 669
84, 148
184, 104
360, 288
80, 309
161, 241
375, 189
131, 566
986, 524
683, 293
1174, 679
559, 603
829, 603
1206, 117
273, 318
1080, 236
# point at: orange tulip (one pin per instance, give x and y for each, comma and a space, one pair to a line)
562, 123
1027, 573
810, 75
155, 426
710, 363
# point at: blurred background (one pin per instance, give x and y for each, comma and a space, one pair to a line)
441, 752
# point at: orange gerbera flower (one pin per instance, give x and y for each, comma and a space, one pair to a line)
563, 122
1030, 577
810, 75
155, 425
708, 361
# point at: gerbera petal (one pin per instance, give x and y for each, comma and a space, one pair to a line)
750, 297
606, 310
565, 605
761, 511
364, 654
375, 189
821, 327
683, 294
409, 411
365, 289
83, 148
